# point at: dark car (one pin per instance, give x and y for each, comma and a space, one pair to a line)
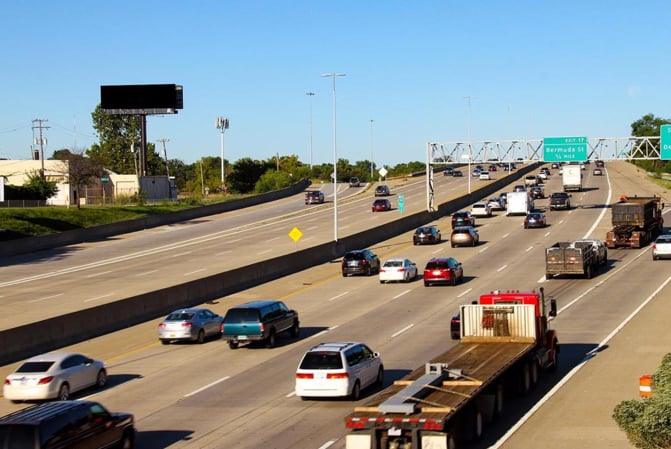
381, 205
462, 218
455, 327
67, 424
443, 270
535, 220
426, 234
362, 261
382, 190
448, 171
464, 236
560, 200
314, 197
519, 188
457, 173
354, 182
259, 321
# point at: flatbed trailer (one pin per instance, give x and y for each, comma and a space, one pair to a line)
452, 396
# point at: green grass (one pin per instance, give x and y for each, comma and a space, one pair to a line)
26, 222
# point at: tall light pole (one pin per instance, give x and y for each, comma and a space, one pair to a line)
372, 165
310, 94
335, 157
470, 152
222, 125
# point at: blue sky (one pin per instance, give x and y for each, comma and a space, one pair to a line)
533, 69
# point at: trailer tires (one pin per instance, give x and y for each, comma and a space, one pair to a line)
588, 272
525, 380
548, 276
533, 374
478, 426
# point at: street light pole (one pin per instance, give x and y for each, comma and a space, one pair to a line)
372, 165
222, 125
310, 94
470, 151
335, 158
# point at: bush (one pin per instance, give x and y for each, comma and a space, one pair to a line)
647, 422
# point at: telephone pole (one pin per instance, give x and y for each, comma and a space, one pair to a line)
42, 139
165, 155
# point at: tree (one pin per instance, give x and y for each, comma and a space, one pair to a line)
649, 126
39, 187
81, 171
117, 135
246, 173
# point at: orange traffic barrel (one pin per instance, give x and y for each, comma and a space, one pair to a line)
645, 386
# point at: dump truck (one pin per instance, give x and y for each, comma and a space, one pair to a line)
504, 343
580, 257
636, 221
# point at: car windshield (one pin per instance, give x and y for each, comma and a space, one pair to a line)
663, 240
321, 360
180, 316
423, 230
35, 367
242, 316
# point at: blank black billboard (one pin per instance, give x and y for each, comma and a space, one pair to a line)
148, 97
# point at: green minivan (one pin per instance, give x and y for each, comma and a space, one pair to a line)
259, 321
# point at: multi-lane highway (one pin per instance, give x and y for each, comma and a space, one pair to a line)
208, 396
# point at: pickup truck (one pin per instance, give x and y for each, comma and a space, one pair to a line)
560, 200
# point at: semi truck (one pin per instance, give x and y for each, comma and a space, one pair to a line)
572, 178
519, 203
578, 257
636, 221
504, 344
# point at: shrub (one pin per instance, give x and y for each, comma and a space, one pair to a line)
647, 422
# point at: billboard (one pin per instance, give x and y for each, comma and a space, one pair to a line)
142, 99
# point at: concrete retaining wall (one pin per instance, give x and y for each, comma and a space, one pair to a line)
24, 341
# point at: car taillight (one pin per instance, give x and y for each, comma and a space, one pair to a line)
261, 327
363, 262
305, 376
337, 376
161, 325
45, 380
382, 270
187, 324
8, 382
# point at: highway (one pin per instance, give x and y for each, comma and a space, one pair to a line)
208, 396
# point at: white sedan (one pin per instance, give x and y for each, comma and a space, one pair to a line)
54, 376
398, 270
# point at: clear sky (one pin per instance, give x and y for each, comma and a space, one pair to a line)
532, 69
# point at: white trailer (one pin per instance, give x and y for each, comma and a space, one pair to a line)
519, 203
572, 178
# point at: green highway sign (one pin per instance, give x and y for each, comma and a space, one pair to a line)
564, 149
665, 142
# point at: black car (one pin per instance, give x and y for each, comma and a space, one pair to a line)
537, 192
463, 218
314, 197
457, 173
382, 190
426, 234
448, 171
362, 261
535, 220
560, 200
67, 424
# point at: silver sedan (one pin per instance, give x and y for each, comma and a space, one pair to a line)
193, 324
54, 376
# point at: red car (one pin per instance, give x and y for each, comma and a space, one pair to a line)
443, 270
381, 205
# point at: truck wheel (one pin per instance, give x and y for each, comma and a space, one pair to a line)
499, 398
295, 330
270, 342
588, 272
233, 344
525, 380
533, 374
126, 441
548, 276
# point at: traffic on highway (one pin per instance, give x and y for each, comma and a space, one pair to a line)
185, 395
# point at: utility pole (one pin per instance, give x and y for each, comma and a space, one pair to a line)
310, 95
167, 169
221, 123
42, 140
